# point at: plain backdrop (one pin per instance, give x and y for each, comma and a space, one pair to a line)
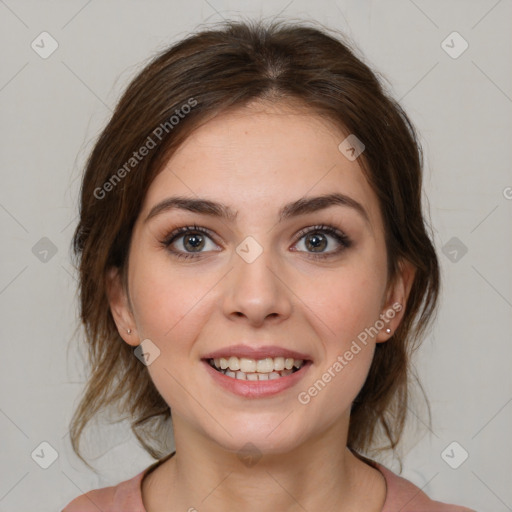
53, 108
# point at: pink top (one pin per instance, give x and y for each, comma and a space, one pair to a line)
401, 495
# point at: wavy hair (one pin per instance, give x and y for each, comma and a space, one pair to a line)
213, 70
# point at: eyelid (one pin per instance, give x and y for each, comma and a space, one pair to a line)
344, 241
342, 238
175, 233
326, 228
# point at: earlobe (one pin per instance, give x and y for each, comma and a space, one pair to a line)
397, 295
119, 306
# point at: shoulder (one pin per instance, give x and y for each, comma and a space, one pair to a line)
92, 501
405, 496
123, 497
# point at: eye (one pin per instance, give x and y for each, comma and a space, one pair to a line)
191, 240
316, 240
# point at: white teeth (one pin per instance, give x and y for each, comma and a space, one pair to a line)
246, 365
234, 364
253, 370
257, 376
278, 363
265, 366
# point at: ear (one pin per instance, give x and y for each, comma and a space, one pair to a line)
120, 307
393, 308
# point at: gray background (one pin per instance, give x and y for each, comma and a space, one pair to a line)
52, 110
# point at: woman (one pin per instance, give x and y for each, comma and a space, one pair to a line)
253, 258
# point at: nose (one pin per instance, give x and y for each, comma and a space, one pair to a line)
257, 292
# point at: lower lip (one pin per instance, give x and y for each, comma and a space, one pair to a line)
257, 388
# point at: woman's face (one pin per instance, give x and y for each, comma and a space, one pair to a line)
262, 277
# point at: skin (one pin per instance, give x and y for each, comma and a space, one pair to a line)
255, 160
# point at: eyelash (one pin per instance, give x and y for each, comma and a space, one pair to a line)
344, 241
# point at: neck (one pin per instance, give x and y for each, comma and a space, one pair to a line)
320, 475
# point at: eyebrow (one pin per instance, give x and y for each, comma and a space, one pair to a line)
302, 206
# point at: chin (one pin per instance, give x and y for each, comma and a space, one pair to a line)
272, 436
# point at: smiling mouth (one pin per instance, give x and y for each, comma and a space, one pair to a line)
269, 368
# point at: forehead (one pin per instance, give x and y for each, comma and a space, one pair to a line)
259, 157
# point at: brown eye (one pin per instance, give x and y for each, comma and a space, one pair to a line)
317, 240
194, 242
188, 242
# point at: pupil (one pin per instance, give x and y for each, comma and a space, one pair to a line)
194, 241
316, 242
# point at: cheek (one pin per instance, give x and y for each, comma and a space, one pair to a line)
164, 298
343, 311
345, 303
335, 386
344, 307
170, 310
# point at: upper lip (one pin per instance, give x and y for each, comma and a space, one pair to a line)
251, 352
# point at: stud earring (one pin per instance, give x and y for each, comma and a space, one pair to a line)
129, 331
388, 331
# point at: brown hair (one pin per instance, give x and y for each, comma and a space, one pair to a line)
211, 71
